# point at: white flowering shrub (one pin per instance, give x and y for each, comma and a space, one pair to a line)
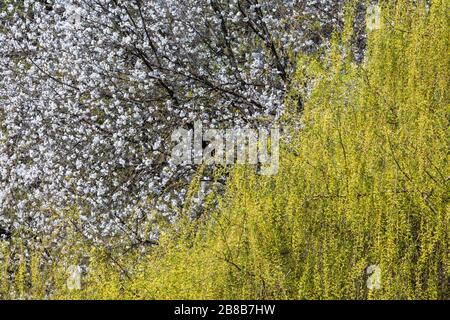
90, 92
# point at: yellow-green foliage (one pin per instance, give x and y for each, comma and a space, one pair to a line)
364, 182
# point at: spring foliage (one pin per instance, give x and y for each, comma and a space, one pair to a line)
364, 182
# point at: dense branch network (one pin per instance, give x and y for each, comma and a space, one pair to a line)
91, 91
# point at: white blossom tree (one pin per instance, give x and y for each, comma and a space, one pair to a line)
90, 92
